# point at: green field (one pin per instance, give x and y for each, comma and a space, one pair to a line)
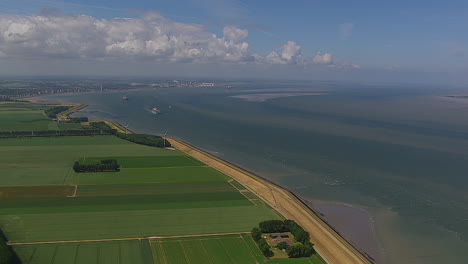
178, 196
146, 161
109, 252
216, 249
158, 192
56, 205
132, 224
206, 250
37, 191
154, 188
48, 161
28, 117
26, 120
151, 175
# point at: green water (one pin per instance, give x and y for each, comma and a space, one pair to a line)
399, 151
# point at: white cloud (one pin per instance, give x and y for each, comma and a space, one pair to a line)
324, 59
235, 34
290, 54
151, 37
346, 30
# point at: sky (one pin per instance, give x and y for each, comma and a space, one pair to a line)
395, 41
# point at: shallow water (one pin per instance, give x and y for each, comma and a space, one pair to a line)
399, 151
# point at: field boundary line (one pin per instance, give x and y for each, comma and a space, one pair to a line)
242, 191
122, 239
74, 241
199, 235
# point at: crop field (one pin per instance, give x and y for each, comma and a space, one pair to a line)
147, 161
37, 191
132, 224
154, 188
206, 250
108, 252
48, 161
151, 175
158, 192
19, 106
56, 205
216, 249
26, 120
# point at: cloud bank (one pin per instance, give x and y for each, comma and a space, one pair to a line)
151, 37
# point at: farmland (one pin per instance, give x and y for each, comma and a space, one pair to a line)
158, 192
27, 117
108, 252
48, 161
51, 214
238, 248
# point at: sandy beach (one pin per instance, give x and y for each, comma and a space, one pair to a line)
330, 245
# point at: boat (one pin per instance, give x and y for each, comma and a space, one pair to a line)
155, 111
125, 98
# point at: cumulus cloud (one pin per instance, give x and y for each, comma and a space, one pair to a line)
346, 30
235, 34
324, 59
290, 54
151, 37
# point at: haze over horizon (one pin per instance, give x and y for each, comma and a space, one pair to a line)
365, 41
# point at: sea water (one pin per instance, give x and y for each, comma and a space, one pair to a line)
400, 152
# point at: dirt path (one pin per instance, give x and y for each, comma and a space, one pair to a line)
331, 246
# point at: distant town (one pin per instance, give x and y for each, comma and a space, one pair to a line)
13, 89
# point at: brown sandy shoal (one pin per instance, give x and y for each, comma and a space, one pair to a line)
329, 244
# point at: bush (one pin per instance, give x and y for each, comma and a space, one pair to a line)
282, 245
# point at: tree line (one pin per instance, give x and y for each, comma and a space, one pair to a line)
302, 246
53, 111
51, 133
144, 139
103, 166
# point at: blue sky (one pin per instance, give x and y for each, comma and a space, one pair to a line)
392, 37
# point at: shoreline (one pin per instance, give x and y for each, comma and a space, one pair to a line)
328, 242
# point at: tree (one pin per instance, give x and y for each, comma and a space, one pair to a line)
282, 245
265, 248
272, 226
256, 234
299, 250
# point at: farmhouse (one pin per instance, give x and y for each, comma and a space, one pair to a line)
283, 237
